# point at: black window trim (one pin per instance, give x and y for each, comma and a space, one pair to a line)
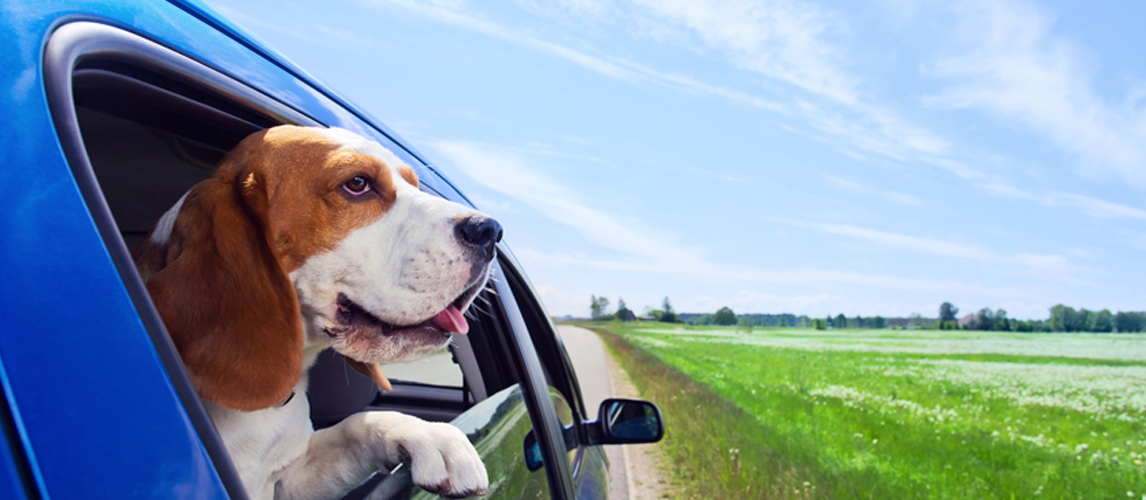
544, 335
535, 389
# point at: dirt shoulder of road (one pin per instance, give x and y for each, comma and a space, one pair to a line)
644, 463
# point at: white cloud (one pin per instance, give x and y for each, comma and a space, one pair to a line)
1019, 70
790, 41
865, 190
779, 39
1053, 267
782, 41
506, 171
244, 19
996, 185
453, 13
1088, 205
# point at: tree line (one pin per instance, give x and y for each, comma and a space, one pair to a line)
1062, 318
599, 311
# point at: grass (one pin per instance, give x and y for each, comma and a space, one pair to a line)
776, 414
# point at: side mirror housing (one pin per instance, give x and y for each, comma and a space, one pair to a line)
619, 421
626, 421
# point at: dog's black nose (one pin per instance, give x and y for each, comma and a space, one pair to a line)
481, 232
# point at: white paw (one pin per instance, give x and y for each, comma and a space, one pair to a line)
442, 460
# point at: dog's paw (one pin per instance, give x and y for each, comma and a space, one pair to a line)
442, 460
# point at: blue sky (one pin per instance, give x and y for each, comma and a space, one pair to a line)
772, 156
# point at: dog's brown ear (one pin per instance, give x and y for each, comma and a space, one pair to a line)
372, 371
225, 298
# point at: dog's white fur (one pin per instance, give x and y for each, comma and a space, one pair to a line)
402, 268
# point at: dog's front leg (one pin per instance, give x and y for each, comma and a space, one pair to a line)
337, 459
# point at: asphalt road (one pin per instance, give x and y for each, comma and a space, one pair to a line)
591, 362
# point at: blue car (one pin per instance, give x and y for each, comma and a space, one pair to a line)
112, 110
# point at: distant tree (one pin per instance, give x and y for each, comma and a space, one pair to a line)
947, 312
1002, 323
1062, 318
819, 324
982, 320
1103, 321
878, 322
1084, 322
828, 321
1128, 321
598, 307
841, 321
667, 314
724, 317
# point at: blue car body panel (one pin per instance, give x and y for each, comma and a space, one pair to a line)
90, 401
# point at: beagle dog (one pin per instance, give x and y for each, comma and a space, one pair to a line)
304, 239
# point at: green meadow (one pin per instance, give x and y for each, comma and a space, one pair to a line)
893, 414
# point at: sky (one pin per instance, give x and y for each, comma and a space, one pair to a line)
772, 156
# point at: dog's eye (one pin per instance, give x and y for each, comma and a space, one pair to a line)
357, 186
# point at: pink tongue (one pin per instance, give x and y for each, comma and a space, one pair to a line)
451, 320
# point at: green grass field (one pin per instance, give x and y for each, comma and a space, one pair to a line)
894, 414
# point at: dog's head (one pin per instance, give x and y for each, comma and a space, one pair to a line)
304, 236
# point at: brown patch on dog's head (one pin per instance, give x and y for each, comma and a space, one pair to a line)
221, 281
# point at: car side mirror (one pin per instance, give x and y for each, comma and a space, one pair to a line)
619, 421
626, 421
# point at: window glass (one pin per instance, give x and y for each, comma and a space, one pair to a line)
497, 427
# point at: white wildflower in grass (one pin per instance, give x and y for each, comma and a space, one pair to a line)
854, 398
1124, 346
651, 342
1108, 392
